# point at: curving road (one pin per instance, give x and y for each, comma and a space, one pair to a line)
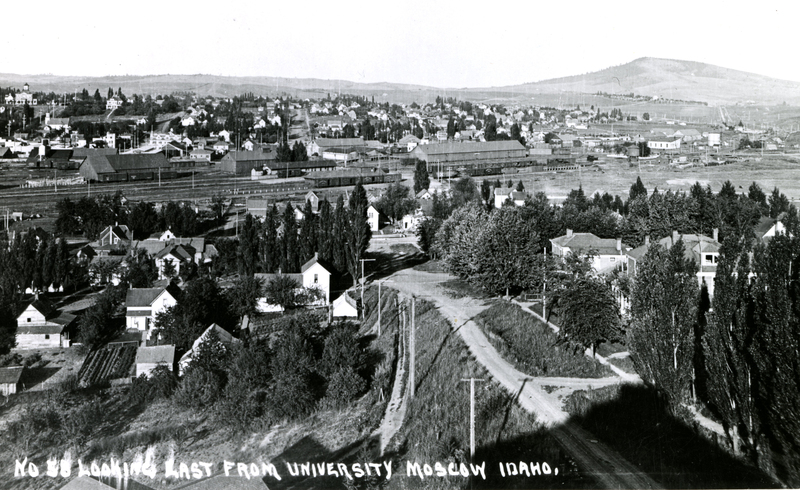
595, 458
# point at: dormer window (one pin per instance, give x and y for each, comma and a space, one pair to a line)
29, 320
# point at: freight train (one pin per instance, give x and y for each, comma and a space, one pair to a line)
340, 178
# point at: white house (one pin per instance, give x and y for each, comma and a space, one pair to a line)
178, 256
411, 221
374, 218
767, 228
40, 325
114, 102
143, 304
501, 195
607, 253
317, 274
148, 358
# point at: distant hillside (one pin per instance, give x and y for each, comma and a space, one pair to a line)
220, 86
674, 79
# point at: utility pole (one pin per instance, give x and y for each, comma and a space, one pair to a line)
471, 415
412, 350
363, 280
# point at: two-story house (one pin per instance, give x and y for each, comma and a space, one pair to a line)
143, 304
41, 325
607, 253
703, 250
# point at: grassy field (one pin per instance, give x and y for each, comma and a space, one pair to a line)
437, 425
616, 177
531, 347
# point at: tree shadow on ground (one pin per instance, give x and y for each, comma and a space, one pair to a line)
639, 425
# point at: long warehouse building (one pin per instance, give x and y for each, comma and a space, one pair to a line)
469, 151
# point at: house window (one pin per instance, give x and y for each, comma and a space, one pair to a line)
613, 259
46, 336
316, 278
29, 320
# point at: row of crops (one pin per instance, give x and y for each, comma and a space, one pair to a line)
110, 362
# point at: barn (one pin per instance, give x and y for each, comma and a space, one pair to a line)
466, 151
134, 166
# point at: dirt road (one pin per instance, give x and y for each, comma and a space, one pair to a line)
597, 459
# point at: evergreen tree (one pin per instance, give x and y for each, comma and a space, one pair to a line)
422, 180
289, 252
249, 246
340, 231
358, 230
637, 189
269, 244
725, 344
325, 231
308, 234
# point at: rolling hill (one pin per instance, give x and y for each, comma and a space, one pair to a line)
674, 79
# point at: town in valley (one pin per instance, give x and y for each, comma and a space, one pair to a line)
298, 284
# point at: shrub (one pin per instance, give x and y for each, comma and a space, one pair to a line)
343, 387
531, 346
199, 389
32, 359
341, 350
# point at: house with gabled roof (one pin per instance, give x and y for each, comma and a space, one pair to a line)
223, 337
345, 307
114, 235
607, 253
179, 255
143, 304
10, 380
501, 195
703, 250
41, 325
149, 358
767, 228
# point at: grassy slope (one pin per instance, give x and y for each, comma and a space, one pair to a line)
437, 424
165, 430
531, 346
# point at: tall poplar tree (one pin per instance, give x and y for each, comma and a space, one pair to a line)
289, 252
358, 230
663, 312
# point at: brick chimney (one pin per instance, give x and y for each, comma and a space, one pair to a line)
647, 240
675, 236
716, 234
619, 245
569, 232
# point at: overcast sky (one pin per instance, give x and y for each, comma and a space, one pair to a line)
447, 44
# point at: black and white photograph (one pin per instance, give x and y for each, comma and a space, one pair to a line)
385, 246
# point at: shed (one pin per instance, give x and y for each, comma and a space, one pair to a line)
10, 380
148, 358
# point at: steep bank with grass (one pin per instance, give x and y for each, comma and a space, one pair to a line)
532, 347
437, 425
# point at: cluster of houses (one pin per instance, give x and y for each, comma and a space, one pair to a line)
608, 254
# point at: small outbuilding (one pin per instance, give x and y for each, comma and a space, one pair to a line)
10, 380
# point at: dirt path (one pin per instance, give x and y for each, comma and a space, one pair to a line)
611, 469
396, 408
